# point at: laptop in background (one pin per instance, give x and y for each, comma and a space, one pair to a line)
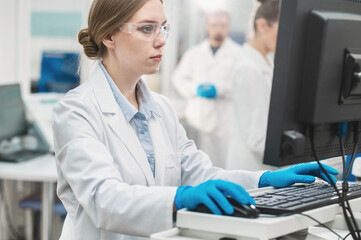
13, 125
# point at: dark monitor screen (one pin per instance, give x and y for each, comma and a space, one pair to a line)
316, 81
12, 112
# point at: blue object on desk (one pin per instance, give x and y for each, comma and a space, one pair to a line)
59, 71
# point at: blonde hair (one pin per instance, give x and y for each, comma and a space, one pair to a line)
105, 17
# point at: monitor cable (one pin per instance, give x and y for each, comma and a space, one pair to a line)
342, 130
345, 187
350, 226
321, 224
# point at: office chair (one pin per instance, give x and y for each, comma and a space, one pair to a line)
33, 203
59, 71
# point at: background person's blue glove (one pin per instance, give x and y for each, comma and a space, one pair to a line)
207, 91
300, 173
211, 192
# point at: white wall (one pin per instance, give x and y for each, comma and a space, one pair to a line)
14, 42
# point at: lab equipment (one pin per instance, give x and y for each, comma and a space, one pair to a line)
300, 198
300, 173
212, 193
316, 88
240, 210
59, 71
311, 91
207, 91
19, 139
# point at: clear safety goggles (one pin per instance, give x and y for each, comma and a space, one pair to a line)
146, 31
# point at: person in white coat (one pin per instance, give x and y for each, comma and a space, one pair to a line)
203, 79
125, 164
251, 92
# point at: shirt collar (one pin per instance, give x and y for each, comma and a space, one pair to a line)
264, 63
147, 105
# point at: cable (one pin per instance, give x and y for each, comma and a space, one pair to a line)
323, 225
347, 236
345, 187
356, 137
353, 226
341, 202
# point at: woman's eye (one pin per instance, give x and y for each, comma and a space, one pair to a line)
147, 29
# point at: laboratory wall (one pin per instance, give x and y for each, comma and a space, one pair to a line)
14, 42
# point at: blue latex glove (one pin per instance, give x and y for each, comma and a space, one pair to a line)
207, 91
209, 193
300, 173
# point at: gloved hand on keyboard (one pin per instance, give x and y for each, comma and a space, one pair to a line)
300, 173
207, 91
211, 193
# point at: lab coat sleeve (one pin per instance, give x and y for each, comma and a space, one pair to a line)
184, 77
88, 170
250, 92
196, 167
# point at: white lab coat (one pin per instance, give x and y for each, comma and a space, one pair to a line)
105, 181
251, 92
210, 117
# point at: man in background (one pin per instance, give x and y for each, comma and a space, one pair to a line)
203, 78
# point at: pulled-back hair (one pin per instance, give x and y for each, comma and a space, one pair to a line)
105, 17
269, 10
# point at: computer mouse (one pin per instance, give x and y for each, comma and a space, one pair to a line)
240, 210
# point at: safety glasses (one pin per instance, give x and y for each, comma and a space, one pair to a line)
146, 31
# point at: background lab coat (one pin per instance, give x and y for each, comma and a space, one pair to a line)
251, 92
211, 117
105, 181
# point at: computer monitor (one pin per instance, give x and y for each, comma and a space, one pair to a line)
316, 82
59, 71
12, 112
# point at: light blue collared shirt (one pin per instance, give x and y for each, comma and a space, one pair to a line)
137, 119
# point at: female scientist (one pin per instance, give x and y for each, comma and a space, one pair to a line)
251, 92
124, 162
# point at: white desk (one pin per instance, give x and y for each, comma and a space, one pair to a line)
40, 169
197, 226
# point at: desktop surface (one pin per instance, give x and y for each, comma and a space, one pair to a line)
266, 226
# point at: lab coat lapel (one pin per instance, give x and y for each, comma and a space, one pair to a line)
160, 148
116, 120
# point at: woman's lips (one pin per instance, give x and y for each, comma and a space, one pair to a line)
157, 58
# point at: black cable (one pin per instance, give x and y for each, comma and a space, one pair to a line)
341, 202
352, 225
323, 225
356, 137
348, 235
345, 187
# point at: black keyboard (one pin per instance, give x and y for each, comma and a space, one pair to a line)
300, 198
20, 156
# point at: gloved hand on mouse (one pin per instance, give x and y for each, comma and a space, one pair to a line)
213, 192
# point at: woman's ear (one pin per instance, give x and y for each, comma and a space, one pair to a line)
261, 25
108, 41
